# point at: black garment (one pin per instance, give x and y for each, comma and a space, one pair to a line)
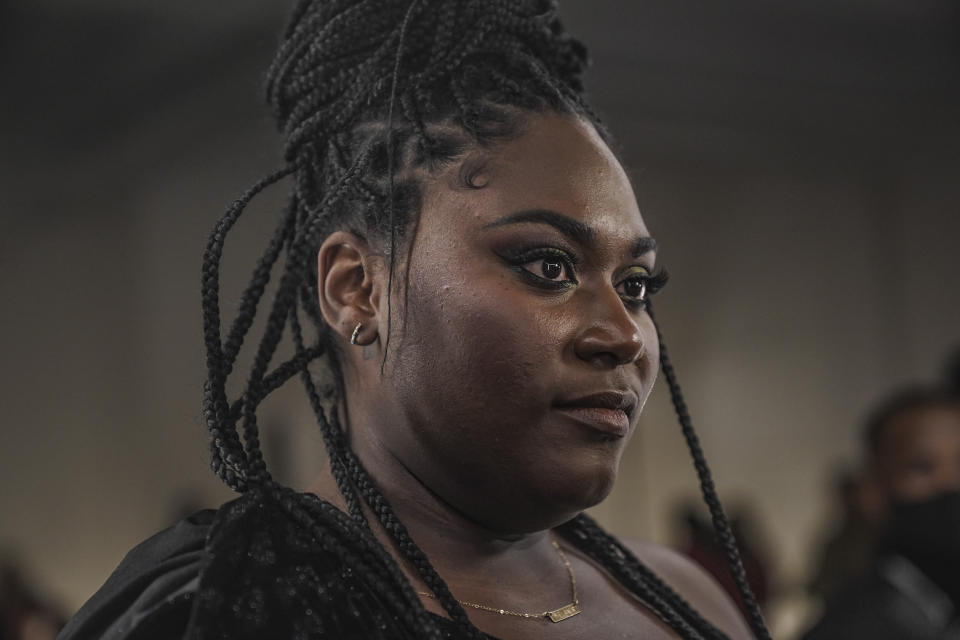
254, 569
895, 601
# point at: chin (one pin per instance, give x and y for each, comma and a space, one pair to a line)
577, 488
590, 490
548, 501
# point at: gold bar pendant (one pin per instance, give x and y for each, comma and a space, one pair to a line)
568, 611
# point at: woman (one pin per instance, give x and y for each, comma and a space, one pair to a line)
465, 254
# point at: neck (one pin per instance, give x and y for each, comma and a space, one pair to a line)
475, 560
437, 527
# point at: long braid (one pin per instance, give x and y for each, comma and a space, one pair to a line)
408, 548
276, 378
228, 457
284, 301
362, 551
333, 443
720, 524
622, 563
254, 291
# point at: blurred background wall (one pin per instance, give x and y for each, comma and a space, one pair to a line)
797, 160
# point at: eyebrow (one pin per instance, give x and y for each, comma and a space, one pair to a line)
644, 245
573, 229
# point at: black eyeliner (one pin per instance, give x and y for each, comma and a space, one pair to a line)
519, 256
652, 283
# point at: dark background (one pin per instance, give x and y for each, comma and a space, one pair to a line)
798, 161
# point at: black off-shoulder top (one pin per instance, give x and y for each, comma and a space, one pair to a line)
270, 564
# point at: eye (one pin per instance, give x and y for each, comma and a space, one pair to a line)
549, 268
639, 284
633, 287
545, 267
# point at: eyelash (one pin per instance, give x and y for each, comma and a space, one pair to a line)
525, 256
652, 283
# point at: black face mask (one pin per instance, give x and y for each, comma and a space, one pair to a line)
927, 533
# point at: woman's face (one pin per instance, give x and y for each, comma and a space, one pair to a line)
522, 301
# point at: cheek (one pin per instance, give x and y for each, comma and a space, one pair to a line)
650, 363
479, 347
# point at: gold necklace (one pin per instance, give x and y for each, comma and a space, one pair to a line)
557, 615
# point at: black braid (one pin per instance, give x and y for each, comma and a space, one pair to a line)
408, 548
228, 457
720, 524
277, 378
609, 552
254, 291
362, 552
331, 437
373, 96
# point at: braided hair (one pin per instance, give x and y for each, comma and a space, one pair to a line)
372, 95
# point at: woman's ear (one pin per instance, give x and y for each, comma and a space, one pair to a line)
349, 287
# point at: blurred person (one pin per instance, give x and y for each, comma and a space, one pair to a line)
465, 254
912, 591
698, 541
24, 615
849, 548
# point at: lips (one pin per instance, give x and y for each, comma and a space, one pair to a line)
609, 412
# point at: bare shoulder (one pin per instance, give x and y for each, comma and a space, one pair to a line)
695, 585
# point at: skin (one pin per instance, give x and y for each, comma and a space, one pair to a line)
919, 454
462, 430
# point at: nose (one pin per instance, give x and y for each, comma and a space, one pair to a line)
610, 335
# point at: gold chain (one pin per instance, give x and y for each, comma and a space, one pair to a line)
556, 615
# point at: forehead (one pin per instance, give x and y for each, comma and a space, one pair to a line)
559, 163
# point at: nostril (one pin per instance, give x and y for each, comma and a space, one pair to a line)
610, 347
